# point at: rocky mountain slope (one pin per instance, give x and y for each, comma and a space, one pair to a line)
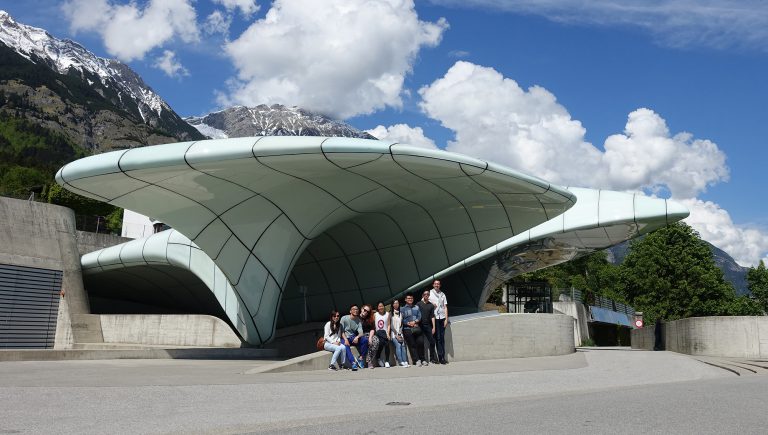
97, 104
275, 120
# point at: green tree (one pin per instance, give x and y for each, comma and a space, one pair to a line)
757, 279
19, 181
80, 204
671, 274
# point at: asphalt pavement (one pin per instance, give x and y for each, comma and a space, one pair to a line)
590, 391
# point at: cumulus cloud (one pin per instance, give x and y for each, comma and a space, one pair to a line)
129, 31
246, 7
530, 131
746, 245
678, 23
170, 65
646, 155
335, 57
404, 134
493, 118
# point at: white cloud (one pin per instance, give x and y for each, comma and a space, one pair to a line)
530, 131
217, 22
170, 65
746, 245
404, 134
128, 31
246, 7
678, 23
647, 156
493, 118
336, 57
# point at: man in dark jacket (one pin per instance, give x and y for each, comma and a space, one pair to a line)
428, 326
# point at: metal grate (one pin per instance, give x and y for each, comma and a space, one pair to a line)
29, 305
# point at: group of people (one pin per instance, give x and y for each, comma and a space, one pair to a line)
420, 327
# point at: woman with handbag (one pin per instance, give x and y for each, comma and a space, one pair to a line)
332, 341
396, 326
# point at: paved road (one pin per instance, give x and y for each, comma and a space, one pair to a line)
594, 391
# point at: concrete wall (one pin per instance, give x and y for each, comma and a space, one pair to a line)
736, 336
477, 337
168, 330
642, 338
580, 316
89, 242
42, 235
509, 336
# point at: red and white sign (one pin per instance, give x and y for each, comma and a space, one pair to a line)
639, 323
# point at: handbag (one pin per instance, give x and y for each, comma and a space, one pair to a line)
320, 343
416, 331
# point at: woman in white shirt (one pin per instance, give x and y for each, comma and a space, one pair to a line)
382, 331
396, 326
332, 335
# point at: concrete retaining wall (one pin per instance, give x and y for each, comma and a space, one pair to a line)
510, 335
168, 330
42, 235
580, 316
642, 338
477, 337
737, 336
89, 242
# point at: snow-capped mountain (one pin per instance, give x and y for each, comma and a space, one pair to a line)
122, 89
275, 120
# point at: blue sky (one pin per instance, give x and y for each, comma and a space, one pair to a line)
668, 98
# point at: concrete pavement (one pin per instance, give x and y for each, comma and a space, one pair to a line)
176, 396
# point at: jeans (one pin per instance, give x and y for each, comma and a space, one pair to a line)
400, 351
362, 347
338, 350
440, 339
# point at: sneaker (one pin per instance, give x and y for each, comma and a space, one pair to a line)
386, 364
360, 362
403, 364
354, 366
332, 367
444, 362
434, 361
370, 365
424, 363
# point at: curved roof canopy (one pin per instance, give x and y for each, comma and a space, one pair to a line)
351, 218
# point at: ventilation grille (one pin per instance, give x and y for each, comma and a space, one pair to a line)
29, 304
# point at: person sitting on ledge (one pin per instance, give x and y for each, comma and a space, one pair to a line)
352, 334
366, 316
397, 335
382, 324
332, 336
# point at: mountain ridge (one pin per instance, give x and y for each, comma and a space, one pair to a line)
100, 104
274, 120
